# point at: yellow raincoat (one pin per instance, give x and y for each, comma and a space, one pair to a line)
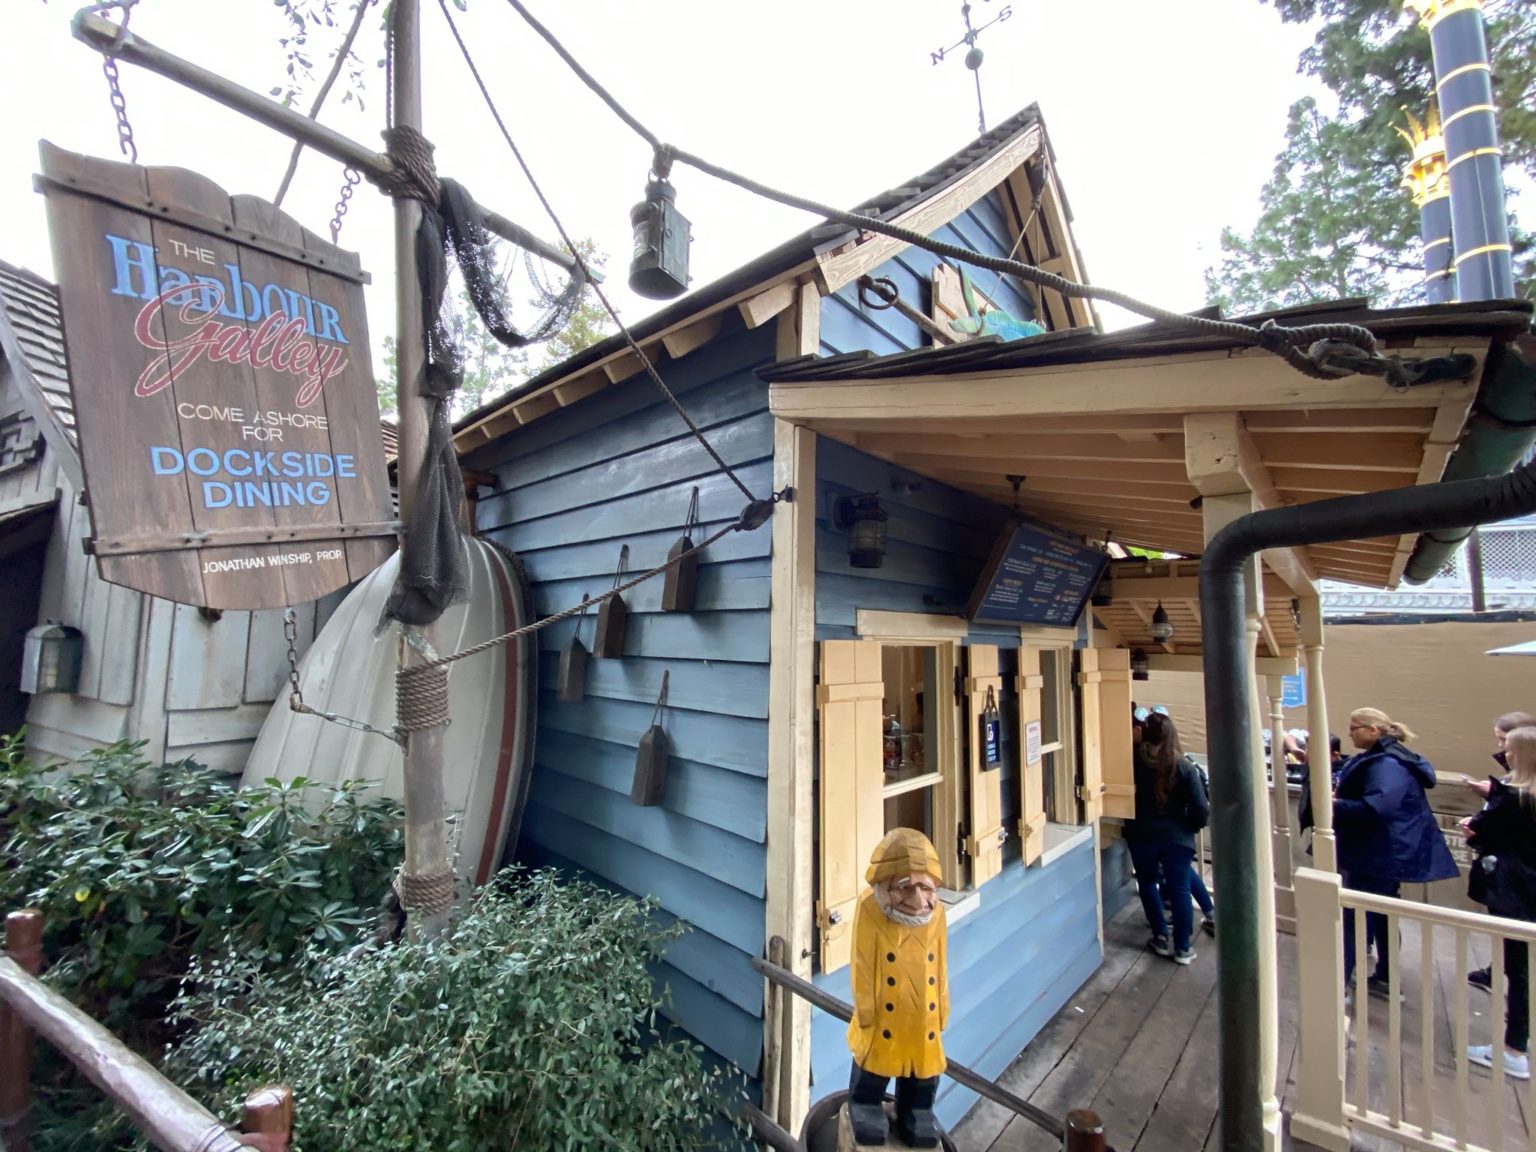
899, 978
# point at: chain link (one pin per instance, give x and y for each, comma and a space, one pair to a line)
296, 694
353, 179
120, 108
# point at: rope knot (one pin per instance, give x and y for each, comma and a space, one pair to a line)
427, 892
661, 161
421, 697
415, 171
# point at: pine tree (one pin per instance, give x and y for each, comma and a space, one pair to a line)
1334, 219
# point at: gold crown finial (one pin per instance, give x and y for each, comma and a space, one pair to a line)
1425, 174
1431, 12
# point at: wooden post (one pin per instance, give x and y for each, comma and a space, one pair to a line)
426, 842
1264, 865
1318, 1117
267, 1119
1319, 756
1085, 1132
23, 944
1280, 801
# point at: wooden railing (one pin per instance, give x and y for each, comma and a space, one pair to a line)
167, 1116
1359, 1068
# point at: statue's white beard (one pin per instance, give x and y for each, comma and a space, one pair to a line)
909, 919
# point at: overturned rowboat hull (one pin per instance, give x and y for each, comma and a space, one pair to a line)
488, 744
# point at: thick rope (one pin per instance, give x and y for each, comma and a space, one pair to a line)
426, 892
415, 172
1283, 341
634, 345
421, 701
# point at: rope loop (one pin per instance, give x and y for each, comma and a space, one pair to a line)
415, 171
661, 162
426, 892
882, 288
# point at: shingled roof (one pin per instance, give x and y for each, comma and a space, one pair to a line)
32, 342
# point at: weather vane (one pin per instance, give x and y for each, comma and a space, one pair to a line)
974, 56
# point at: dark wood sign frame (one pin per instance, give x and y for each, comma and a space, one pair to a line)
222, 379
996, 567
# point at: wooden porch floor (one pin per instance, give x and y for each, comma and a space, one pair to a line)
1138, 1045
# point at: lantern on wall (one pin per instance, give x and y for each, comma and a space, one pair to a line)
51, 659
1161, 628
658, 269
864, 521
1139, 666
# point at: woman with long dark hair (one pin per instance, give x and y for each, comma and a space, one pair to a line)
1171, 806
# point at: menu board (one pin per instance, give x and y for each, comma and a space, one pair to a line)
1035, 577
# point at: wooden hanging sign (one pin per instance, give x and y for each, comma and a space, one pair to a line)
223, 389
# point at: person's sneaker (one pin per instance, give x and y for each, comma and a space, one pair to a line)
1381, 988
1161, 945
1481, 978
1517, 1066
1186, 957
1208, 925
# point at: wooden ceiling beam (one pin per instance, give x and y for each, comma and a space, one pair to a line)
1022, 450
1348, 421
1156, 473
1363, 450
1021, 425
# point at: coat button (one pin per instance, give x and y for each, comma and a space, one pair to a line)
890, 1007
887, 1034
890, 957
930, 980
933, 1007
930, 1035
930, 957
891, 980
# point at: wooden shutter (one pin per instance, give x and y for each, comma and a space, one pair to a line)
849, 695
1031, 776
984, 826
1109, 776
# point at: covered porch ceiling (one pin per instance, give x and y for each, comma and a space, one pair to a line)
1127, 435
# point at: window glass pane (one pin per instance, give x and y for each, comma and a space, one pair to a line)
911, 810
909, 675
1050, 696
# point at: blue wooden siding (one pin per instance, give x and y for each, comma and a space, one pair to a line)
986, 227
1013, 963
573, 488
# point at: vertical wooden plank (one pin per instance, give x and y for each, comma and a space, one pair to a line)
1030, 687
1362, 1016
1318, 1112
266, 659
1109, 777
849, 693
147, 719
120, 662
79, 229
1496, 1042
1427, 984
986, 814
1394, 1022
207, 660
1459, 1023
93, 626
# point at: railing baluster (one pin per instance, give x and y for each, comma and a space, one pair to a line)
267, 1119
1459, 1024
1427, 1026
1362, 1014
1496, 1043
1394, 1025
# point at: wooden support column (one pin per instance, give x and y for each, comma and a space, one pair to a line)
1280, 807
1319, 758
791, 739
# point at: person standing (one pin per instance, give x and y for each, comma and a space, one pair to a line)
1504, 878
1502, 727
1171, 806
1385, 832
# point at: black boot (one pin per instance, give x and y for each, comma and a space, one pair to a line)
866, 1107
914, 1111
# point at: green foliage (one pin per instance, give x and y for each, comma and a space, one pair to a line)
530, 1024
142, 869
1334, 219
1333, 224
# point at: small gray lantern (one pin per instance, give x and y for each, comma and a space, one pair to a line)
51, 659
658, 269
865, 522
1140, 665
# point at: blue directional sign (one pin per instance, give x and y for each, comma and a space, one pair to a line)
1295, 691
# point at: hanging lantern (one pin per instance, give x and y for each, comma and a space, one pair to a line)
658, 270
864, 521
1162, 627
1139, 667
51, 659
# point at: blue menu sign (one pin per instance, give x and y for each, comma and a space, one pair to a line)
1035, 577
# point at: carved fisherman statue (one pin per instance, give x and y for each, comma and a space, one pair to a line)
900, 992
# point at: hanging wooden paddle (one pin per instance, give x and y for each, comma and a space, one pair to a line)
571, 685
613, 617
681, 582
651, 759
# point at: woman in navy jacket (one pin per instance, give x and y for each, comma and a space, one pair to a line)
1386, 833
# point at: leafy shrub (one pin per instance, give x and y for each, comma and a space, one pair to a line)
140, 869
530, 1024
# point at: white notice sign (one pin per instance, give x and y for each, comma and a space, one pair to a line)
1032, 742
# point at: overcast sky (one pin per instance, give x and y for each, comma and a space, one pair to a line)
1165, 117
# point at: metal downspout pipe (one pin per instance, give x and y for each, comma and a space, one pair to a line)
1229, 719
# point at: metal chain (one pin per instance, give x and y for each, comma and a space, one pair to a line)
296, 694
120, 108
353, 179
